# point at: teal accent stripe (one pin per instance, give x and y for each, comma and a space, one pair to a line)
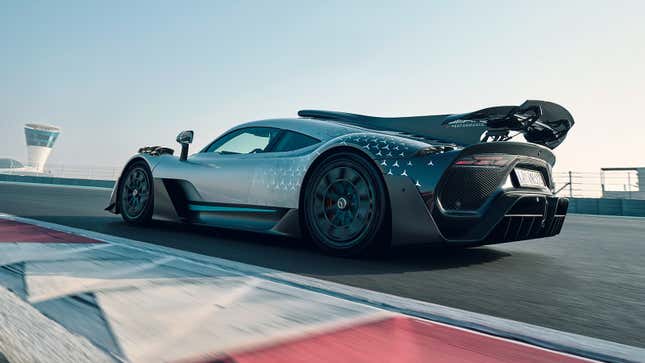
216, 208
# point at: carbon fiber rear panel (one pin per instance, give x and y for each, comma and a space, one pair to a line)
467, 187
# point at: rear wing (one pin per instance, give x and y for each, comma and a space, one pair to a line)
541, 122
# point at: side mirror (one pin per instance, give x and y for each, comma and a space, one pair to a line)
185, 138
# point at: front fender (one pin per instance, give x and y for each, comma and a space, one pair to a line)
151, 160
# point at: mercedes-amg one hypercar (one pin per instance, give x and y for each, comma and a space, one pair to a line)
353, 183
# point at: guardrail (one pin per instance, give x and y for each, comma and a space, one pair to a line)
606, 206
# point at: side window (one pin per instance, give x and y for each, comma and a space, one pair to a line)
245, 141
293, 141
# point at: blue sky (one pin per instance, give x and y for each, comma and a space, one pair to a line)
119, 75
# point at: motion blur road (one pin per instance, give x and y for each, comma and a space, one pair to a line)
589, 280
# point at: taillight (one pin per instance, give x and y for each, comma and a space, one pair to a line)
485, 160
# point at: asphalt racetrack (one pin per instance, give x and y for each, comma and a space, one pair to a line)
589, 280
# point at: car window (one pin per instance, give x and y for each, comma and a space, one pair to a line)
291, 140
245, 141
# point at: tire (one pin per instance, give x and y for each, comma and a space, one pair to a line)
345, 205
136, 194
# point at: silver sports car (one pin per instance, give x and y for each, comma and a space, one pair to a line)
353, 183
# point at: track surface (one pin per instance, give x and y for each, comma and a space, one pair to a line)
589, 280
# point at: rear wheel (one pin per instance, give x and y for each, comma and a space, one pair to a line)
136, 194
345, 205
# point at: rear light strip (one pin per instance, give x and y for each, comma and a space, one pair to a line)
485, 160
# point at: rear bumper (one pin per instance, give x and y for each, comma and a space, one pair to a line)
509, 215
481, 198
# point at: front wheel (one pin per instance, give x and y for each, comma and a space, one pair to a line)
345, 205
136, 194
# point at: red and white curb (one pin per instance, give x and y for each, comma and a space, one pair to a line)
139, 302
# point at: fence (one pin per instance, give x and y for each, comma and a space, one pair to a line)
619, 184
72, 171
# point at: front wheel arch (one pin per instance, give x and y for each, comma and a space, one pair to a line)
119, 184
117, 208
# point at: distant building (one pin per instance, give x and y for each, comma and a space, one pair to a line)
10, 164
40, 141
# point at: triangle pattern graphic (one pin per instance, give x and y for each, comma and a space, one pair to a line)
82, 315
13, 278
214, 316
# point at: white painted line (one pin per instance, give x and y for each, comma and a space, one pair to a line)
549, 339
513, 341
12, 253
47, 286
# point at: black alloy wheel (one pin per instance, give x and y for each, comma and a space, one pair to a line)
345, 205
136, 194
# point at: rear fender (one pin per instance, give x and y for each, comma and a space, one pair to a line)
398, 160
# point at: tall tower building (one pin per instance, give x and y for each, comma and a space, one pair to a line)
40, 140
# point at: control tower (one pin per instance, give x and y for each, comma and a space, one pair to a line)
40, 141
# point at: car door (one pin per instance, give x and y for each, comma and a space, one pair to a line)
246, 179
222, 172
278, 174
